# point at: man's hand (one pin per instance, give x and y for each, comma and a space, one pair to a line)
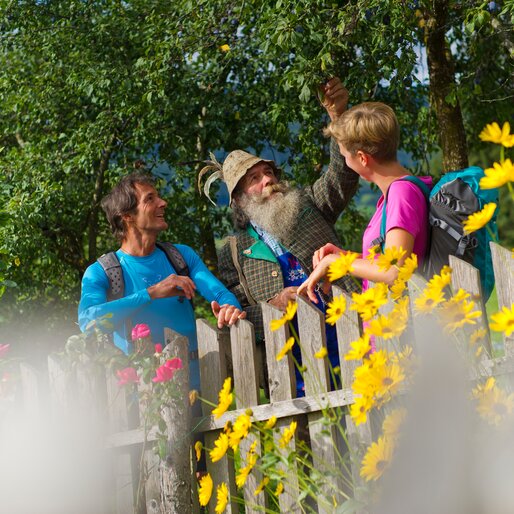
173, 285
226, 314
288, 294
335, 98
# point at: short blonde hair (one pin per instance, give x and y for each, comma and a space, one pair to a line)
371, 127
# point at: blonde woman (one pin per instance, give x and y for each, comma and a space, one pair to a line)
368, 137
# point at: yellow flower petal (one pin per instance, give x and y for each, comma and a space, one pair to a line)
205, 491
479, 219
222, 498
321, 353
225, 48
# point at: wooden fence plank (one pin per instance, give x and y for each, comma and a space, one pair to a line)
348, 330
465, 276
282, 386
124, 481
246, 385
30, 386
503, 265
175, 468
324, 439
212, 353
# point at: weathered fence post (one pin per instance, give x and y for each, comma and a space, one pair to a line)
465, 276
359, 437
503, 265
282, 386
212, 349
246, 384
311, 326
175, 470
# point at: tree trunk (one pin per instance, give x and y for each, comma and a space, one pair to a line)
209, 254
92, 226
452, 137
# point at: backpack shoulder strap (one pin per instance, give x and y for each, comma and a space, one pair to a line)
242, 279
112, 267
409, 178
175, 257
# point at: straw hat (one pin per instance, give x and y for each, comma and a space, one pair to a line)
236, 164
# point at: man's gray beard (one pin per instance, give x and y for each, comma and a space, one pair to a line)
277, 214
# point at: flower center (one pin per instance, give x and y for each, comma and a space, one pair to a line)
381, 465
387, 381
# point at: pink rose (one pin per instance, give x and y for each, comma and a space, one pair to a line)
4, 348
140, 331
163, 374
127, 376
158, 348
175, 363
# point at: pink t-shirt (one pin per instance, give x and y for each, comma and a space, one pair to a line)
407, 209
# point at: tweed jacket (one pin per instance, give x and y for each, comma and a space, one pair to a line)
321, 206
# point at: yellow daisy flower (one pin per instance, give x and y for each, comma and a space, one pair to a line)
386, 327
283, 352
321, 353
386, 380
205, 491
225, 48
251, 460
342, 266
198, 450
225, 398
398, 288
372, 252
261, 486
494, 134
429, 300
359, 409
479, 219
477, 336
335, 309
497, 176
392, 423
377, 459
220, 448
442, 280
408, 267
240, 430
503, 321
391, 257
280, 489
270, 423
368, 302
288, 316
494, 404
222, 498
457, 313
288, 434
359, 348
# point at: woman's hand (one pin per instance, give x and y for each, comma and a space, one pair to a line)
308, 288
322, 252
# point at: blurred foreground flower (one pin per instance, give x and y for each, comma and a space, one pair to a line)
479, 219
127, 376
494, 134
497, 176
503, 321
287, 347
4, 348
377, 459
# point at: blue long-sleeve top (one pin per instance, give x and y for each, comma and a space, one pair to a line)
136, 306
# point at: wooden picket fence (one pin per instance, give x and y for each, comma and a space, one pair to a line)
138, 481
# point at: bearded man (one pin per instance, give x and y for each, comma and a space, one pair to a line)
279, 227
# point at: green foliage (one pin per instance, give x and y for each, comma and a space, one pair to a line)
86, 88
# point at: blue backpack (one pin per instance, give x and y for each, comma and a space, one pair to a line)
451, 201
